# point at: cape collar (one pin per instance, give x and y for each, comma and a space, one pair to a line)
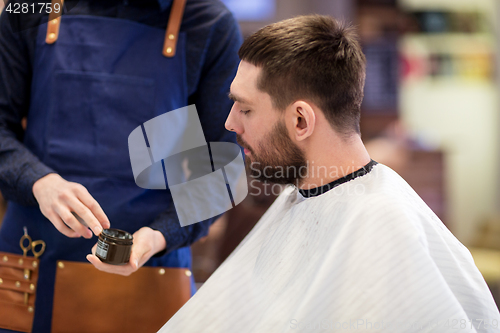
325, 188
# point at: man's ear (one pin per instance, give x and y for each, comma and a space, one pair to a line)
303, 119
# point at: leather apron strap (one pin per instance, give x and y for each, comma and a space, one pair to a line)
171, 35
54, 22
174, 24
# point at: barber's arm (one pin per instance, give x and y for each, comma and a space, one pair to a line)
213, 107
23, 177
19, 168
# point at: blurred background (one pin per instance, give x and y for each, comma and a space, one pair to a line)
431, 112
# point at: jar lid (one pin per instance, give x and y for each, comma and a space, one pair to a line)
117, 235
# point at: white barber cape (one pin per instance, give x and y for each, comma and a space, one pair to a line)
367, 255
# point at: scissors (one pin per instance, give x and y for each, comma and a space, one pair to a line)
32, 245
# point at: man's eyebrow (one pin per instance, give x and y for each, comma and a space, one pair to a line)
236, 98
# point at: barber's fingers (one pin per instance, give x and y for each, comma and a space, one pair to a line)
138, 257
124, 270
59, 199
83, 212
65, 214
93, 206
60, 226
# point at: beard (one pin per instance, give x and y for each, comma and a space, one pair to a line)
278, 160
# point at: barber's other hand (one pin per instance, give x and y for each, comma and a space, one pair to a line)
147, 242
58, 198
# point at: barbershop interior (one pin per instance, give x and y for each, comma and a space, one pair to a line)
430, 112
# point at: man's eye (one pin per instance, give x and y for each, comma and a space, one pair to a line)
244, 112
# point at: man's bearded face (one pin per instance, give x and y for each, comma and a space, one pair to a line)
277, 158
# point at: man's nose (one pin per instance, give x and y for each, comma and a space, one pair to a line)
232, 123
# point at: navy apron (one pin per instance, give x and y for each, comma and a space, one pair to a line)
99, 81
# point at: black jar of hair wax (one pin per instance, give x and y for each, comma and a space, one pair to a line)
114, 246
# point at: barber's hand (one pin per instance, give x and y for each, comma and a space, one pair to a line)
147, 242
58, 199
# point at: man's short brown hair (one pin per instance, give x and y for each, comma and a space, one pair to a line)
315, 58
